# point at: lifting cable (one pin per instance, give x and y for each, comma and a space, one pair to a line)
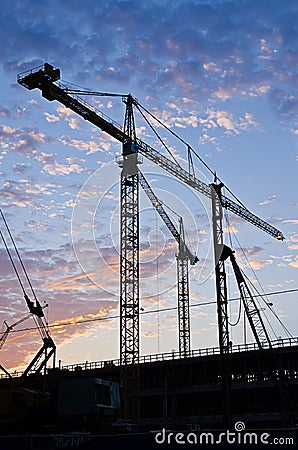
18, 277
85, 91
72, 88
156, 134
254, 273
12, 262
214, 174
151, 311
231, 245
271, 309
37, 320
239, 315
19, 257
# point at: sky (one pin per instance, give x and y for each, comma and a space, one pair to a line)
222, 75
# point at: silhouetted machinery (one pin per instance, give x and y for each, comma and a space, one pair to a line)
46, 78
20, 403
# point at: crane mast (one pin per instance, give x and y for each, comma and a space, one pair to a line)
183, 294
221, 298
220, 273
129, 267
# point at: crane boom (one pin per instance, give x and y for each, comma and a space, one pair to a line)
44, 78
252, 311
158, 206
165, 217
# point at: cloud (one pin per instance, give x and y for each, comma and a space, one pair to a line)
259, 264
75, 123
20, 168
73, 282
270, 199
22, 192
23, 140
20, 347
211, 67
51, 118
290, 221
190, 44
253, 257
294, 263
69, 297
230, 229
13, 192
194, 63
215, 119
101, 144
293, 241
4, 112
44, 157
56, 168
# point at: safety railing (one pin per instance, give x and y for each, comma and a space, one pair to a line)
173, 355
209, 351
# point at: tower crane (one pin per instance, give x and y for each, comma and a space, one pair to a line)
184, 258
46, 78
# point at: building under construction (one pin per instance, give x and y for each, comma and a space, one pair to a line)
175, 393
191, 389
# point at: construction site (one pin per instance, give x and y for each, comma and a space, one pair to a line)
253, 383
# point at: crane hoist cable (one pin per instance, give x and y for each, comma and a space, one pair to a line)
239, 315
35, 308
156, 134
270, 307
9, 327
246, 277
157, 281
12, 262
48, 349
179, 138
190, 149
73, 88
19, 257
231, 245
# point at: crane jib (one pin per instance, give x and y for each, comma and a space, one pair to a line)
44, 80
205, 189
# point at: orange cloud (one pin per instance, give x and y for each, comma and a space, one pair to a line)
72, 282
18, 349
260, 263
